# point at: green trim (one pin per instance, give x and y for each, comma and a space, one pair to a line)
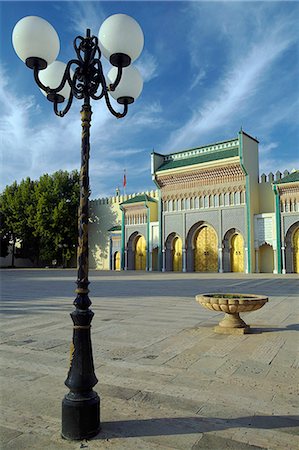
122, 239
278, 225
139, 199
213, 144
291, 178
160, 221
247, 202
199, 159
115, 228
147, 237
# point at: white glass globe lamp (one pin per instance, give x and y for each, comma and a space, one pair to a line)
35, 41
51, 77
130, 86
121, 39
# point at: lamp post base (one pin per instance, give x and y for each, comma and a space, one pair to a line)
80, 415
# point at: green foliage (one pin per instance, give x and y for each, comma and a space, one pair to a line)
43, 216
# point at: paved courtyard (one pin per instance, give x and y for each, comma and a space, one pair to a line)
166, 380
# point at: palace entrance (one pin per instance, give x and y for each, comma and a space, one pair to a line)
296, 250
140, 253
177, 255
205, 250
237, 253
116, 263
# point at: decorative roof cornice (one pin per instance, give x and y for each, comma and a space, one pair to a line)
139, 199
115, 228
213, 176
199, 156
290, 178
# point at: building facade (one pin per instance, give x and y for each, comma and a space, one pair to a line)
210, 212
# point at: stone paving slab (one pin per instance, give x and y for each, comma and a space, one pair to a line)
166, 380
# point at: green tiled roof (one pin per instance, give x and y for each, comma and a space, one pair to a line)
138, 199
291, 178
206, 157
115, 228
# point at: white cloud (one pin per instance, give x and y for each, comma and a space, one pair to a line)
198, 78
233, 95
147, 65
83, 15
274, 164
265, 149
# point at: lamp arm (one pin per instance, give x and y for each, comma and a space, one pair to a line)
66, 109
114, 85
66, 77
117, 114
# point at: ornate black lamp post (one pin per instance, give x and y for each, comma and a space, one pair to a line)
37, 44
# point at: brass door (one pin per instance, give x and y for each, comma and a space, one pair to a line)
206, 252
177, 255
117, 261
296, 250
237, 253
140, 254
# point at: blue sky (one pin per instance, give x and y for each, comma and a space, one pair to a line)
208, 68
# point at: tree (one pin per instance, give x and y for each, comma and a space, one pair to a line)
42, 215
55, 223
4, 237
17, 210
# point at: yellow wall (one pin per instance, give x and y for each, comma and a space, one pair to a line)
251, 164
266, 259
266, 198
104, 214
153, 211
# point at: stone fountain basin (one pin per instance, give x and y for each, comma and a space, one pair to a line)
232, 305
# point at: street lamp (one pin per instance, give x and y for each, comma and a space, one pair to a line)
121, 41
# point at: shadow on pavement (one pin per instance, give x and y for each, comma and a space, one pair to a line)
259, 330
187, 425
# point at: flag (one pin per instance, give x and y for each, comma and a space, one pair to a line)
125, 180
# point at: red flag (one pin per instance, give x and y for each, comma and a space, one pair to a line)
125, 180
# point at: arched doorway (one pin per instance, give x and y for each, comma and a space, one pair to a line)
266, 259
177, 254
116, 261
237, 253
205, 250
291, 245
140, 253
296, 250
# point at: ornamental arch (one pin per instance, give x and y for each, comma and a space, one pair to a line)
292, 249
202, 248
233, 251
266, 258
116, 261
173, 253
136, 252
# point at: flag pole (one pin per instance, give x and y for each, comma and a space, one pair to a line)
125, 181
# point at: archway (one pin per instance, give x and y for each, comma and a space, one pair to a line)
177, 254
292, 249
296, 250
205, 250
116, 261
266, 259
140, 253
237, 253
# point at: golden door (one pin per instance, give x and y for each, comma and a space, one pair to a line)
237, 253
117, 261
177, 255
140, 254
296, 250
205, 252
